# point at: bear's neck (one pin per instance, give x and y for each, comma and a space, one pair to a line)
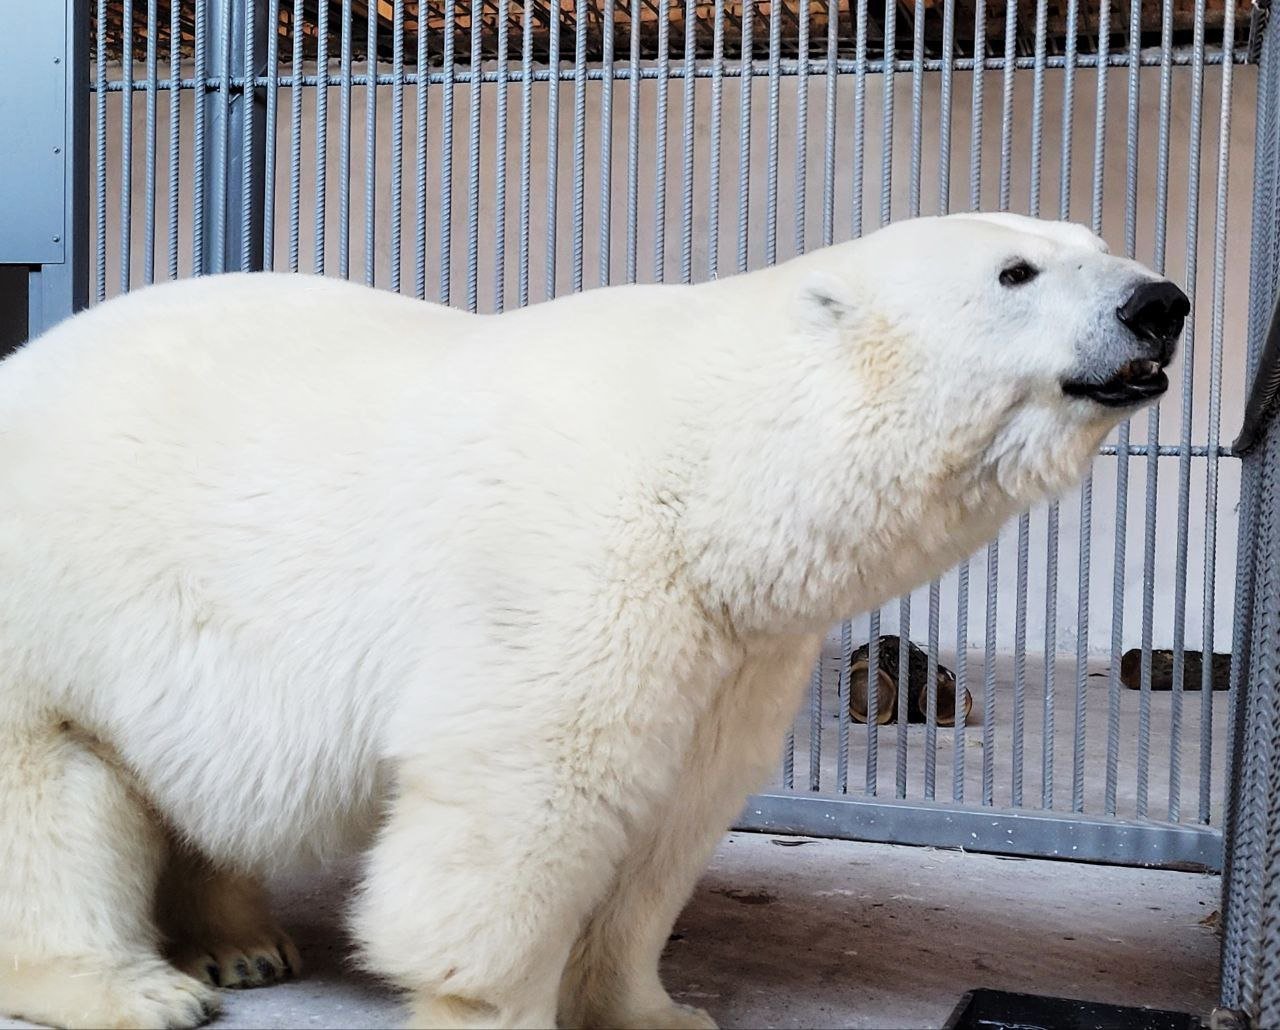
818, 502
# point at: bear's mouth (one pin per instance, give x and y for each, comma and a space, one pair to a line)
1134, 382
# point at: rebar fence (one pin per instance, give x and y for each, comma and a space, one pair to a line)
493, 155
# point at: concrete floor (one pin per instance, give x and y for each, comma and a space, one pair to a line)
787, 932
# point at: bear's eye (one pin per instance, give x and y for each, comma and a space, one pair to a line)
1018, 273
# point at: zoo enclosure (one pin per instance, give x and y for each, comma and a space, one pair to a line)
491, 155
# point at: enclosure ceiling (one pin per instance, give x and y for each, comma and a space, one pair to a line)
435, 16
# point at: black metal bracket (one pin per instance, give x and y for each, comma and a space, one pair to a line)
1264, 391
1258, 18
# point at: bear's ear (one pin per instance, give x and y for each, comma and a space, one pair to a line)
825, 302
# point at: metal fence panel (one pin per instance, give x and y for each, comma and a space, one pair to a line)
545, 140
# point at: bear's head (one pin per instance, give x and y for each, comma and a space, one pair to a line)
1024, 338
942, 375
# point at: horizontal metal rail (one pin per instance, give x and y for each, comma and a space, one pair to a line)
991, 830
621, 73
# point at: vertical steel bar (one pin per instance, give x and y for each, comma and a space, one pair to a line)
1086, 488
1216, 331
370, 144
126, 144
771, 216
475, 13
553, 143
842, 690
859, 113
606, 145
579, 138
1188, 390
975, 204
815, 726
248, 150
421, 93
886, 214
962, 680
688, 94
944, 105
222, 120
526, 143
746, 70
397, 141
1006, 102
322, 132
886, 124
771, 183
449, 66
149, 204
989, 677
828, 234
976, 104
200, 48
904, 704
801, 185
1153, 423
100, 160
993, 550
660, 144
717, 132
931, 697
344, 146
499, 156
1052, 526
175, 135
1024, 520
1122, 446
829, 124
633, 142
295, 137
1018, 742
917, 108
935, 591
873, 703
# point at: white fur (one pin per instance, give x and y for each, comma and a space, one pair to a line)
285, 562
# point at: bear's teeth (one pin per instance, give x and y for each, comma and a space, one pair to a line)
1140, 368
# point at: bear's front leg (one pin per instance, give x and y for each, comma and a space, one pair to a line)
612, 978
479, 884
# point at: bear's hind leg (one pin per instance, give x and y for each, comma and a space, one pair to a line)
219, 925
80, 856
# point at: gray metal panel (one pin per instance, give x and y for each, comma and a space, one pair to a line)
234, 165
33, 159
998, 831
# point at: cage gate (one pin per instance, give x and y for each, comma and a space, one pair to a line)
490, 154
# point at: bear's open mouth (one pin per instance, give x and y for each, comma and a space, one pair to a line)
1134, 382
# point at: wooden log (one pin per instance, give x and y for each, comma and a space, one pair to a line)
1162, 670
917, 686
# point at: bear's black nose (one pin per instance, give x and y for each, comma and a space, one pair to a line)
1154, 312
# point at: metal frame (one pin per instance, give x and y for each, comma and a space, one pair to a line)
996, 831
44, 206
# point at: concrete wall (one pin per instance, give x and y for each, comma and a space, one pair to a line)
1020, 157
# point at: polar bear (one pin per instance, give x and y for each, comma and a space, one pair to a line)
518, 605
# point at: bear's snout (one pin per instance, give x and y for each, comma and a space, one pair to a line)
1154, 313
